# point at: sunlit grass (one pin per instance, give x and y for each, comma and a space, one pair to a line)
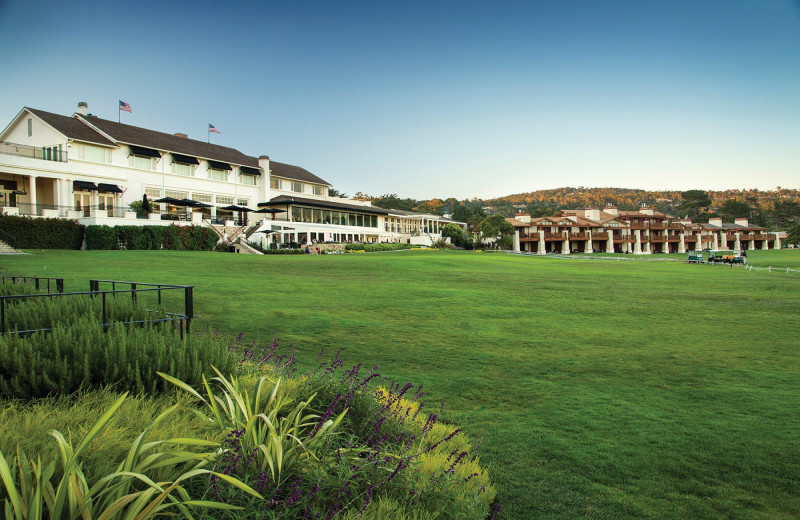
603, 389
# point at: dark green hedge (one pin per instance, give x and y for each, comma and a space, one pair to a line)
371, 248
183, 238
42, 233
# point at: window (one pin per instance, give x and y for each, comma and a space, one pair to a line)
242, 202
224, 200
274, 183
217, 175
153, 193
186, 170
247, 180
202, 197
92, 153
297, 187
30, 127
52, 153
177, 194
319, 190
142, 163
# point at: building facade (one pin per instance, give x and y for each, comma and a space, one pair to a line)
91, 169
645, 231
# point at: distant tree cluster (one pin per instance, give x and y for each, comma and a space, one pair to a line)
776, 210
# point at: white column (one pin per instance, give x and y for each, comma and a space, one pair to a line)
715, 241
565, 246
777, 244
32, 194
737, 246
610, 242
723, 239
681, 243
542, 250
752, 245
516, 240
765, 243
637, 245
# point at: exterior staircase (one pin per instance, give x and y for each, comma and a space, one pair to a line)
6, 249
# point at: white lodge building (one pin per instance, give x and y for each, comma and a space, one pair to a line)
90, 169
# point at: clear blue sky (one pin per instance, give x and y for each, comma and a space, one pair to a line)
442, 99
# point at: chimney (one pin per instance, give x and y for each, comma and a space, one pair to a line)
523, 217
180, 134
592, 213
611, 210
716, 221
83, 108
742, 222
646, 210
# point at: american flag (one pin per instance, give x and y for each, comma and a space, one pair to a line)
123, 106
213, 130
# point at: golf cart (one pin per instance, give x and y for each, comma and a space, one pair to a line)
727, 256
695, 257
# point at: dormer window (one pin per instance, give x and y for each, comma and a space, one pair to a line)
143, 158
319, 190
184, 165
297, 187
248, 176
275, 184
218, 171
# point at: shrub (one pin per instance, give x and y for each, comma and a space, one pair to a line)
136, 237
282, 251
196, 238
371, 248
84, 356
43, 233
58, 487
101, 237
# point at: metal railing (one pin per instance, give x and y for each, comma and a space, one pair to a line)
38, 209
47, 153
57, 282
183, 319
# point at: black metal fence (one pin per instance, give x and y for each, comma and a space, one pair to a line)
182, 319
38, 282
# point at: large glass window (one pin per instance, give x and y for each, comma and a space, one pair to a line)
319, 190
352, 219
224, 200
202, 197
274, 183
247, 180
297, 187
242, 202
297, 215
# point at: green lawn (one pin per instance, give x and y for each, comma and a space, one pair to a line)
603, 389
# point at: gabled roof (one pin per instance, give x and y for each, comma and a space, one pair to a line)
516, 223
129, 134
70, 127
297, 173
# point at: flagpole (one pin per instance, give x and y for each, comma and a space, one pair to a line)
119, 113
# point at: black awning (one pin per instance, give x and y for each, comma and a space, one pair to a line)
250, 171
109, 188
84, 186
144, 152
219, 165
8, 185
184, 159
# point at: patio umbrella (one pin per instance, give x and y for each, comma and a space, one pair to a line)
168, 200
240, 209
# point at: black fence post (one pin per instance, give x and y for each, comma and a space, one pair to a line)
133, 292
2, 315
188, 305
36, 283
60, 285
104, 312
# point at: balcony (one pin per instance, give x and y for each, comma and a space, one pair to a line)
690, 238
658, 238
555, 236
674, 226
529, 237
621, 239
46, 153
579, 236
658, 225
600, 236
762, 236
